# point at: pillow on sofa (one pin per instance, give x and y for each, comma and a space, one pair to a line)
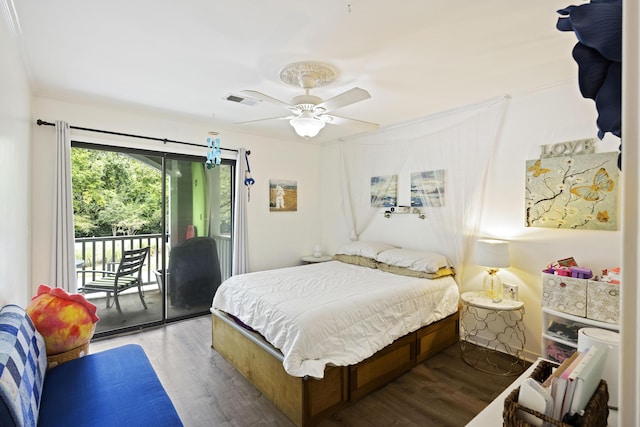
23, 363
65, 321
429, 262
365, 249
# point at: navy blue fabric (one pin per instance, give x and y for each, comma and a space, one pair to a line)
116, 387
194, 272
598, 27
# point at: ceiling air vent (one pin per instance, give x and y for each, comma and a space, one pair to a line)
241, 99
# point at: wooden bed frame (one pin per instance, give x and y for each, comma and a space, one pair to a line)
307, 400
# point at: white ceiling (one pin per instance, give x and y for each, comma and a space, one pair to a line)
415, 57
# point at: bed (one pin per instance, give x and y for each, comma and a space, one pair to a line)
313, 338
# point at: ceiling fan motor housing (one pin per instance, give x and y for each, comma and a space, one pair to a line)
306, 102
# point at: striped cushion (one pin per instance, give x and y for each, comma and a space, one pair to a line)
23, 362
106, 282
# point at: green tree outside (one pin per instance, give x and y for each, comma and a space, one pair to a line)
114, 194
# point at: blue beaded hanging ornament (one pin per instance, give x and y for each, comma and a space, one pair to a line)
248, 180
213, 151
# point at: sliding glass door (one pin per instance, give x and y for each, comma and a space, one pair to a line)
173, 204
198, 230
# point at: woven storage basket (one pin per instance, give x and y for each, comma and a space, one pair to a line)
595, 413
58, 359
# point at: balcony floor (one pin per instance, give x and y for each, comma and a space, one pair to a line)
134, 312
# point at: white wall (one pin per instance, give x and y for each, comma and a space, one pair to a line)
15, 171
277, 239
547, 116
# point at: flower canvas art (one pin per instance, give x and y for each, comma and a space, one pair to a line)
573, 192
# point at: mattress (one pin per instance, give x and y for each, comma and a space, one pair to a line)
334, 312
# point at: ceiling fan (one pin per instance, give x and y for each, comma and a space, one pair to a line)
309, 113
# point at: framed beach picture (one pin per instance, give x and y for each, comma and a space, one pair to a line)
427, 188
573, 192
384, 191
283, 195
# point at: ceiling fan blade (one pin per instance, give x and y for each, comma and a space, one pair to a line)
264, 120
345, 98
262, 97
338, 120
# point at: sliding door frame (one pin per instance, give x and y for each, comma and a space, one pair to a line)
165, 232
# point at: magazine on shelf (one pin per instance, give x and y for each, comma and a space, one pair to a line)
534, 396
587, 375
569, 387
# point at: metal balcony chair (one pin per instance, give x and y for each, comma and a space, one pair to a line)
127, 275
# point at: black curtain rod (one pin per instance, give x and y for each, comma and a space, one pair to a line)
43, 123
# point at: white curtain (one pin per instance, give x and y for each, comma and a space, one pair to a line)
357, 178
240, 263
461, 142
63, 266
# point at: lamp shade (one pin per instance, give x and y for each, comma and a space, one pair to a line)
492, 253
307, 127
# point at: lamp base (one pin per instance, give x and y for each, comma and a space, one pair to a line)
493, 285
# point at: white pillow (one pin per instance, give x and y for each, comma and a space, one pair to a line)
365, 249
429, 262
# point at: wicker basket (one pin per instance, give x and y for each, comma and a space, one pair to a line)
595, 413
58, 359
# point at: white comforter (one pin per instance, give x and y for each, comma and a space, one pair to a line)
333, 312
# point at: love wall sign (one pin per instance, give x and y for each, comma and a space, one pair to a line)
569, 148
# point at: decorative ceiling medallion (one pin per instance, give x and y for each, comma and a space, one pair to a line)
307, 74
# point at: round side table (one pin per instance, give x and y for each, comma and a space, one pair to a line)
489, 327
313, 259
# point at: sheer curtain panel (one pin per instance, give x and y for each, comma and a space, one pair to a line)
459, 144
240, 259
63, 266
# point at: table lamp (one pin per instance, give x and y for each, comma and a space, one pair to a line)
493, 255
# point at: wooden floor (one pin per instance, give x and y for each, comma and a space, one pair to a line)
206, 390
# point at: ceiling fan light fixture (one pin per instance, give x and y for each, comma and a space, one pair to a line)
307, 127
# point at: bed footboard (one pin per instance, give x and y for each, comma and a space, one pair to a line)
305, 402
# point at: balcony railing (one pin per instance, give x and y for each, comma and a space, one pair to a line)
104, 253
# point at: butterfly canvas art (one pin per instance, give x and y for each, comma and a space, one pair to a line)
572, 192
